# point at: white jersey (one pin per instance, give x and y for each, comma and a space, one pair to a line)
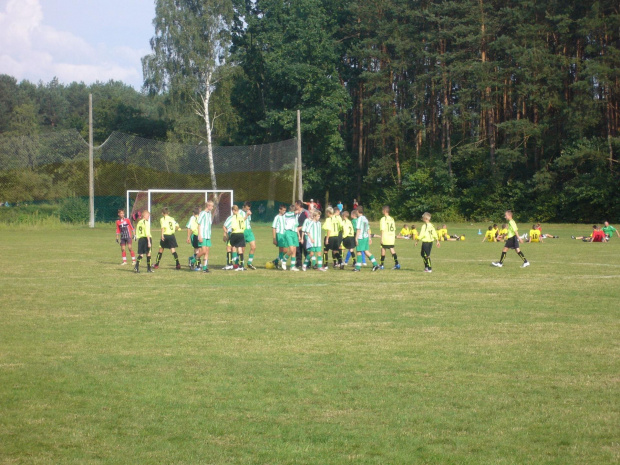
312, 231
290, 222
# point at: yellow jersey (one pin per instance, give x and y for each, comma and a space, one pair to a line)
347, 229
388, 230
442, 234
168, 225
237, 224
489, 236
534, 235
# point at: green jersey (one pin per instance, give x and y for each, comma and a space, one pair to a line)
192, 225
362, 227
512, 229
248, 220
312, 230
204, 224
228, 223
609, 230
290, 222
278, 224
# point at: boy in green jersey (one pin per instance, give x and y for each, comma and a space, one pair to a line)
512, 242
278, 234
291, 237
363, 241
427, 235
205, 219
387, 226
168, 240
609, 230
249, 234
192, 235
311, 230
143, 234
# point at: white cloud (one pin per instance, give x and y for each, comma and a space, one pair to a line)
33, 50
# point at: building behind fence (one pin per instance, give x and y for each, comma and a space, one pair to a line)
54, 166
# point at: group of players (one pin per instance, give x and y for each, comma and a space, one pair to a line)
303, 240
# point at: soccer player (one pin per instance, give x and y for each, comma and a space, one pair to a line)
405, 233
231, 254
535, 235
124, 232
168, 240
205, 219
414, 232
301, 214
332, 228
512, 242
192, 236
387, 226
277, 229
291, 237
489, 236
609, 230
249, 234
348, 237
237, 235
502, 232
428, 234
143, 234
597, 236
443, 233
363, 241
312, 233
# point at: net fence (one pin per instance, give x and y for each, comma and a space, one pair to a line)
54, 166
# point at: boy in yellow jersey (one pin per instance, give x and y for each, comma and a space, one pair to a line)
442, 233
489, 236
387, 226
535, 235
329, 241
501, 232
192, 236
414, 232
512, 242
168, 240
428, 233
237, 236
348, 236
143, 234
405, 233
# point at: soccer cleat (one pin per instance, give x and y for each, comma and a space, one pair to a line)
525, 264
190, 262
251, 267
336, 266
364, 264
381, 267
396, 267
240, 268
497, 264
136, 269
572, 237
304, 267
197, 268
150, 270
342, 265
375, 267
294, 268
356, 270
428, 270
228, 267
206, 270
124, 263
178, 266
323, 269
283, 265
156, 266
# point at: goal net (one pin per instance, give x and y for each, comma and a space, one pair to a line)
180, 203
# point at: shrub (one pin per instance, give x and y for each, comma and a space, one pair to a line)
74, 210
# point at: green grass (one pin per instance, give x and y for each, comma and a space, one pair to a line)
469, 365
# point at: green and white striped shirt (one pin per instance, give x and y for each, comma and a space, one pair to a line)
290, 222
312, 229
363, 226
278, 224
204, 224
228, 223
248, 219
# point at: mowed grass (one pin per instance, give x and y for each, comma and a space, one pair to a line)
469, 365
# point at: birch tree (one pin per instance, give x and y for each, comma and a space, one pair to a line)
190, 47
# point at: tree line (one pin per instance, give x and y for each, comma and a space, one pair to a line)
462, 108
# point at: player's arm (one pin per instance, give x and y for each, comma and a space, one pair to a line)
189, 232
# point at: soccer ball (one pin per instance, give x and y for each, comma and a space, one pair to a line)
270, 266
462, 238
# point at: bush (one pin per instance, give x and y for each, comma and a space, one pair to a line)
74, 210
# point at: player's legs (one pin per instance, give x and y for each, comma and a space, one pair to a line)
123, 252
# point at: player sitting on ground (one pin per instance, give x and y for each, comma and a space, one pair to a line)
609, 230
168, 240
535, 235
489, 236
597, 236
405, 233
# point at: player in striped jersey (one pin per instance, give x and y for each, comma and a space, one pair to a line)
387, 226
249, 234
192, 235
363, 241
124, 231
291, 237
312, 234
205, 219
278, 231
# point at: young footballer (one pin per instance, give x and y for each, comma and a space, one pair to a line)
609, 230
387, 226
428, 234
512, 242
237, 235
277, 230
597, 236
502, 232
535, 235
168, 240
205, 219
231, 254
312, 233
489, 236
363, 241
192, 236
302, 215
124, 232
249, 234
143, 234
348, 236
405, 233
291, 238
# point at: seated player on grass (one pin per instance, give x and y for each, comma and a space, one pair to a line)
597, 236
535, 235
489, 236
609, 230
405, 233
501, 232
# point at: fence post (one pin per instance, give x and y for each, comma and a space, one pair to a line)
91, 169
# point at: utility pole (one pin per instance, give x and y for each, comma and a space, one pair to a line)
91, 169
300, 188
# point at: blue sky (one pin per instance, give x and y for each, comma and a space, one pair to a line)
75, 40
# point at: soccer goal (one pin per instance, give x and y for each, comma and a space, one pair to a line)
180, 202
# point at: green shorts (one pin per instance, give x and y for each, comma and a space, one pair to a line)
362, 245
249, 235
292, 239
281, 240
315, 249
205, 243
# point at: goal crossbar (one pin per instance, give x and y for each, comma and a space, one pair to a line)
187, 191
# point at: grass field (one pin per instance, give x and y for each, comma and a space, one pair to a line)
469, 365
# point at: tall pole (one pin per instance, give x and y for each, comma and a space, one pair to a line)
295, 181
91, 169
300, 187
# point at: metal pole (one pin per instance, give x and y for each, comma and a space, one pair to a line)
91, 169
295, 180
300, 187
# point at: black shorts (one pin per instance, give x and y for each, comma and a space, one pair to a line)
349, 242
143, 246
512, 243
194, 240
389, 246
125, 241
426, 249
333, 244
169, 242
237, 240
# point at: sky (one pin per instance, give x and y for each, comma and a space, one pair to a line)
75, 40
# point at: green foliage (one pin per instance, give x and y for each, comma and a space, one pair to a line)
74, 210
